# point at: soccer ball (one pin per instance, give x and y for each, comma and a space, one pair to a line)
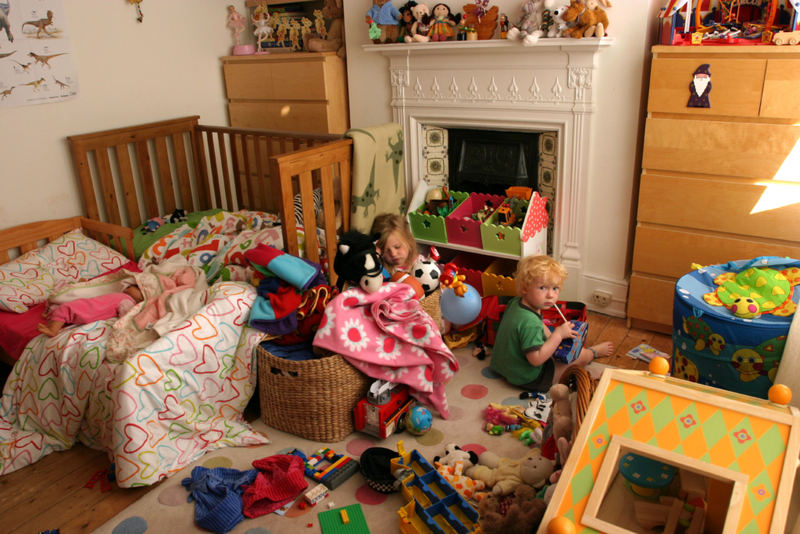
427, 274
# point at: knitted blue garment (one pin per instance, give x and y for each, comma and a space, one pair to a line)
218, 496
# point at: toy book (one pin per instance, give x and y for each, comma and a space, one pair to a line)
646, 353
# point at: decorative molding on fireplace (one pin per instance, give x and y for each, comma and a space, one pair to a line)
502, 85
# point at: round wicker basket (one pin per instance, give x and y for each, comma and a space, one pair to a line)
313, 399
578, 379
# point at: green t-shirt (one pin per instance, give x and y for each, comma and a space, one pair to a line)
521, 331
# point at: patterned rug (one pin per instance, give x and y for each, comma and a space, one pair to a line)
165, 509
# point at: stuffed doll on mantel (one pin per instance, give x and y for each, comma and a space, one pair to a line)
388, 19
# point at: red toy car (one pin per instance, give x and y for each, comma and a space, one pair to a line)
384, 410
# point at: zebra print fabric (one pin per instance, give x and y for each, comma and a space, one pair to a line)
298, 206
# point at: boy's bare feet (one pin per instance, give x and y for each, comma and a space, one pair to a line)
604, 349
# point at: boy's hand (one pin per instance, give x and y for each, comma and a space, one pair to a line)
566, 330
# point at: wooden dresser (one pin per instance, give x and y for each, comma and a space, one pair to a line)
299, 91
719, 183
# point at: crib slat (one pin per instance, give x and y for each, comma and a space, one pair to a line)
183, 172
226, 179
107, 185
27, 247
167, 187
199, 155
282, 183
248, 179
260, 178
212, 155
4, 256
237, 178
128, 185
150, 198
78, 148
309, 218
329, 211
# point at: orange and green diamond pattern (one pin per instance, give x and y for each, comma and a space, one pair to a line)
719, 436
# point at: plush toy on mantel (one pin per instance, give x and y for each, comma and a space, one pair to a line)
388, 18
419, 29
503, 475
584, 22
529, 26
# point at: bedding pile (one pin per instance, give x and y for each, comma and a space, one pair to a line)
217, 242
156, 388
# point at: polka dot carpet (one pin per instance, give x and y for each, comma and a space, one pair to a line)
165, 509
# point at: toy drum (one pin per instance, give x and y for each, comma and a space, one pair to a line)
569, 349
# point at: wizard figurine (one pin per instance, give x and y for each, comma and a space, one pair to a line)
700, 87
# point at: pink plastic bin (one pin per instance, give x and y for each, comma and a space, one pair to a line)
461, 229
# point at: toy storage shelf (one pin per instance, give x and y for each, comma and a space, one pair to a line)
464, 248
704, 169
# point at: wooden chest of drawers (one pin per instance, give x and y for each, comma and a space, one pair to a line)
719, 183
298, 91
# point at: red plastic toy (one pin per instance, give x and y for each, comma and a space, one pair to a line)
384, 410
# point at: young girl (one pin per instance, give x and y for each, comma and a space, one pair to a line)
396, 245
88, 310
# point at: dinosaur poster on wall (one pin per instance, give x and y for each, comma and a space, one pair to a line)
36, 61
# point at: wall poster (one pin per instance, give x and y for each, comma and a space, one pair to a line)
36, 61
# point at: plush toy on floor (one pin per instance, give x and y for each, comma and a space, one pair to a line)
452, 466
503, 475
522, 516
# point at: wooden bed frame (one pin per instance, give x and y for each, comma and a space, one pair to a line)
24, 238
130, 175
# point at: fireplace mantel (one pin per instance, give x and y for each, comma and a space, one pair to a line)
502, 85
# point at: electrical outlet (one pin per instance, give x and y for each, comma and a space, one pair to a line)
601, 298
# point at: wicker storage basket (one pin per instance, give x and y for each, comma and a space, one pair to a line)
432, 306
313, 399
578, 379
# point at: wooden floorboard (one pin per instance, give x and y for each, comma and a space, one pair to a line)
50, 494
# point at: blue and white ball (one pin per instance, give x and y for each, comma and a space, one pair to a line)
419, 420
427, 274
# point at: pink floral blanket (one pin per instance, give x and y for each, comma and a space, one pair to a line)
388, 336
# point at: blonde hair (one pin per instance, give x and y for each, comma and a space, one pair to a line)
531, 268
387, 224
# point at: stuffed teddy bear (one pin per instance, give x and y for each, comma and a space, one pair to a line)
388, 18
334, 42
503, 475
529, 26
419, 30
522, 516
561, 415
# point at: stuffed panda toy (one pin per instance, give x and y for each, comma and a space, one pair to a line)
357, 261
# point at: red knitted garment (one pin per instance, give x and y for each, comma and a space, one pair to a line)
280, 480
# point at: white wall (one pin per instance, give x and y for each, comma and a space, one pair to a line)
615, 153
129, 73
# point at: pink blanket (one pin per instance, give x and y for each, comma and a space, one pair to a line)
388, 336
155, 308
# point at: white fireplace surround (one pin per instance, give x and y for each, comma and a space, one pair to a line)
502, 85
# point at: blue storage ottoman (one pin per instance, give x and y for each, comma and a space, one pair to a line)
730, 323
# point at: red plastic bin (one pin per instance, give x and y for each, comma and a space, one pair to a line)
461, 228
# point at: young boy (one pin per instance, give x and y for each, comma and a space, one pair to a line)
523, 352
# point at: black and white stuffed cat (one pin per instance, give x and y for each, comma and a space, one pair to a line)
357, 261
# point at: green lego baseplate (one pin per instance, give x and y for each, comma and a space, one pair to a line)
331, 521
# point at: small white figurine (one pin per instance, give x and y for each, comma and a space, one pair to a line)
236, 22
263, 29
